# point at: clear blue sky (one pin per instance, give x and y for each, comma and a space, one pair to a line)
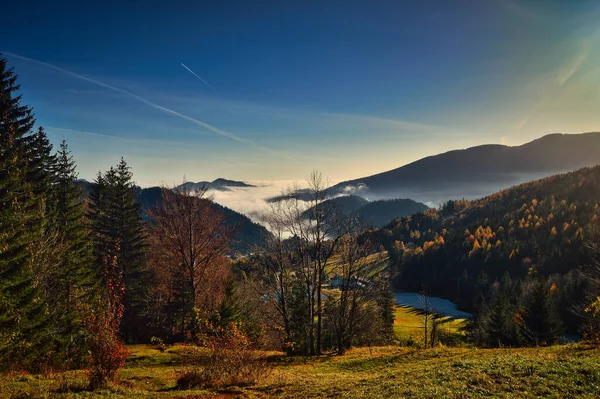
281, 88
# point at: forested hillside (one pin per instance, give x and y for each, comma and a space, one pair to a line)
372, 213
534, 231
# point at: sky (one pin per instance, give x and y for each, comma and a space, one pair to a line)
272, 90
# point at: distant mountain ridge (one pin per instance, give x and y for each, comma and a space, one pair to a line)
219, 184
478, 171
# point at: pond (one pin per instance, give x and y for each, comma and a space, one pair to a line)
440, 305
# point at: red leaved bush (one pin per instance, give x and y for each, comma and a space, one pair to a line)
228, 358
107, 352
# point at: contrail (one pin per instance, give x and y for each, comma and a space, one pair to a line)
147, 102
202, 80
206, 83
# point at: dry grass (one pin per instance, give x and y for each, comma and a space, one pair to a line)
568, 371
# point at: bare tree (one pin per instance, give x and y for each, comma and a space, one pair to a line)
356, 275
190, 241
430, 319
315, 228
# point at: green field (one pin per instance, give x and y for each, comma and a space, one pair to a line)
408, 324
567, 371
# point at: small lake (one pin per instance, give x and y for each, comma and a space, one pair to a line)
440, 305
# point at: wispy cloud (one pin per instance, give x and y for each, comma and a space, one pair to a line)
153, 143
145, 101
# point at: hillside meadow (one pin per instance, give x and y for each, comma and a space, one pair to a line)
566, 371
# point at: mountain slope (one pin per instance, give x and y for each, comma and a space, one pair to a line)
249, 234
376, 213
478, 171
534, 229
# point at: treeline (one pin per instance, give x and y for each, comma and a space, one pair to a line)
495, 254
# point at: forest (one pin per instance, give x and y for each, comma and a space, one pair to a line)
88, 270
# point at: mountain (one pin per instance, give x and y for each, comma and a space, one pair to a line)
533, 230
478, 171
218, 184
376, 213
249, 234
379, 213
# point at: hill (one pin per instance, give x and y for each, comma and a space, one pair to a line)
478, 171
375, 213
378, 213
249, 234
534, 230
219, 184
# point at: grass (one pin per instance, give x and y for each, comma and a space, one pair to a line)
408, 325
377, 262
568, 371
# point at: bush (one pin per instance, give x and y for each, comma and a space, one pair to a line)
228, 358
158, 344
107, 352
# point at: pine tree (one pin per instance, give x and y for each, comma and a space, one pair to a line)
539, 323
116, 217
75, 276
22, 313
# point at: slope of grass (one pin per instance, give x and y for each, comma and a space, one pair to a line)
408, 325
567, 371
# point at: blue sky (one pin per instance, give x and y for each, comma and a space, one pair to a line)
348, 88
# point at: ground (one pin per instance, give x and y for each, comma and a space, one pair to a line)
384, 372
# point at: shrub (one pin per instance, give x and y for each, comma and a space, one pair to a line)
229, 357
107, 352
158, 344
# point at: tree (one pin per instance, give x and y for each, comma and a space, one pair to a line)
116, 216
538, 322
317, 228
429, 319
589, 273
357, 290
72, 280
23, 317
189, 242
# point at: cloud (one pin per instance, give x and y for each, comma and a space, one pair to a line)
145, 101
355, 190
251, 201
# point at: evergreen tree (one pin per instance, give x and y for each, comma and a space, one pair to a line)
22, 313
116, 218
500, 325
539, 322
75, 276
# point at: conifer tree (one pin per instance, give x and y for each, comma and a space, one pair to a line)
22, 313
116, 217
539, 322
75, 276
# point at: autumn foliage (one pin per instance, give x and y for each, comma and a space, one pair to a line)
227, 357
107, 354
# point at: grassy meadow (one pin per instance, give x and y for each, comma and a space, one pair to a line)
569, 371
